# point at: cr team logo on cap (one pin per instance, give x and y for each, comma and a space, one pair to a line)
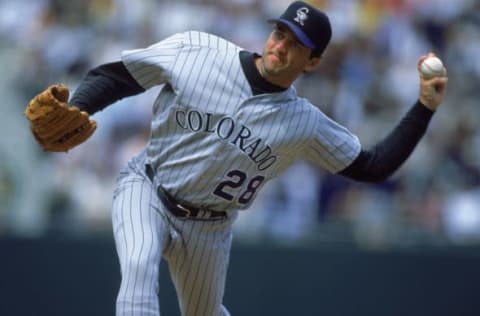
302, 15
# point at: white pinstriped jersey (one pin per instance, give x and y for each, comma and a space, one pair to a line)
213, 143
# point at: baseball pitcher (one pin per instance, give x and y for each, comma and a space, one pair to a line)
225, 123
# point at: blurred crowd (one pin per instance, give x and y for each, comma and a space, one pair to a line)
367, 81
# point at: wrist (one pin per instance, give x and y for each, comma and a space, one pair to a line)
427, 104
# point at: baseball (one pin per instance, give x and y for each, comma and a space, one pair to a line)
431, 67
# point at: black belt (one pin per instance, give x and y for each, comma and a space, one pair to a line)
180, 209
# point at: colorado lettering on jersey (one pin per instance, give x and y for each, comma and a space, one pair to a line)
227, 129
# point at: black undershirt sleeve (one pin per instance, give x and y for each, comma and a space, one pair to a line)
111, 82
380, 162
103, 86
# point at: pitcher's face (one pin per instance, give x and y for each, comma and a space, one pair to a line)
284, 58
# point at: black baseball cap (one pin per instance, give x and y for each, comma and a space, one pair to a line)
310, 25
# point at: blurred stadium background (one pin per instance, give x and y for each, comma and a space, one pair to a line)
367, 81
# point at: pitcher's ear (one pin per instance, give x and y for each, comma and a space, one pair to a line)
312, 64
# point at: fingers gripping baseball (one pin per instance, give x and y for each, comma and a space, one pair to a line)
433, 80
55, 125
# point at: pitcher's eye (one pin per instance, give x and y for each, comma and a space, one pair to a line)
278, 35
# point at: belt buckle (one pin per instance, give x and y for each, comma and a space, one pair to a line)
188, 213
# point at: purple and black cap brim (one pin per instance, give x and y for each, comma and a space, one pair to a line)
300, 35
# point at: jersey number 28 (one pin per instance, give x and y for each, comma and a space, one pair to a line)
236, 179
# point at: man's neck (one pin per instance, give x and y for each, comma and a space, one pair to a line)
284, 83
258, 83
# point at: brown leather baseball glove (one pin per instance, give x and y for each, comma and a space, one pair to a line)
56, 125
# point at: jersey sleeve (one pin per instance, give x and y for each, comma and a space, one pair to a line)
152, 66
331, 146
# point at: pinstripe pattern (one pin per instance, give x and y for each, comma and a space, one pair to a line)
140, 234
196, 251
213, 144
205, 87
